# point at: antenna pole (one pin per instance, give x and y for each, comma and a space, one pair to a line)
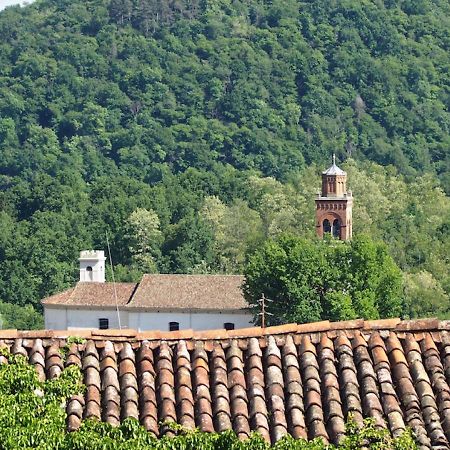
114, 281
262, 301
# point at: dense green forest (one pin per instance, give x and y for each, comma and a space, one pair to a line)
191, 131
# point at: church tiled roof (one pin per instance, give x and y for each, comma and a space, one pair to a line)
176, 291
159, 291
297, 379
93, 295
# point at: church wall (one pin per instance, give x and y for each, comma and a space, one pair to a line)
66, 318
194, 320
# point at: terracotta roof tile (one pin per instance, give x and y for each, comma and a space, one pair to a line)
424, 391
189, 292
259, 417
148, 412
183, 386
219, 390
334, 416
110, 387
93, 294
301, 380
348, 377
201, 389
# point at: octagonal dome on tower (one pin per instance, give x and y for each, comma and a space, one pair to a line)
334, 169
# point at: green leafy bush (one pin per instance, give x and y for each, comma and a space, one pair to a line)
32, 415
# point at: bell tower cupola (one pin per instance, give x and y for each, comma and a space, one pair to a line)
92, 266
334, 204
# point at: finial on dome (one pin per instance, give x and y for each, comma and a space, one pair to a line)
334, 169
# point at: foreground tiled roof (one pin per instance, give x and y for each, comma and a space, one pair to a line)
297, 379
93, 294
213, 292
195, 292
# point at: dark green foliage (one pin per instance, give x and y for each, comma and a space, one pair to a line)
309, 281
32, 415
20, 317
108, 107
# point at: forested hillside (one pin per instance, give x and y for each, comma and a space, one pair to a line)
191, 131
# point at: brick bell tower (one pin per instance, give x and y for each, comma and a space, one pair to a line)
334, 205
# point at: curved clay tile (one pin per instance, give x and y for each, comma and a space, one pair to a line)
147, 389
165, 385
334, 416
37, 358
445, 337
311, 387
295, 409
18, 349
256, 395
424, 391
183, 386
237, 388
439, 384
73, 356
219, 390
110, 385
128, 382
74, 412
389, 398
76, 404
91, 370
275, 390
201, 389
370, 393
53, 361
348, 378
405, 388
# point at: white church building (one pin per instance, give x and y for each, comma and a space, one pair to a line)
158, 302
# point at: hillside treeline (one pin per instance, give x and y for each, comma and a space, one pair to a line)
192, 131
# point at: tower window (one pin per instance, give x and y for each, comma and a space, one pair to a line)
103, 324
89, 273
228, 326
174, 326
336, 228
326, 226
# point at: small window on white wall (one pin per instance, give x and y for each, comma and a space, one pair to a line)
103, 324
89, 273
174, 326
228, 326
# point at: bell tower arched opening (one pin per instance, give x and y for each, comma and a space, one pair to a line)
336, 228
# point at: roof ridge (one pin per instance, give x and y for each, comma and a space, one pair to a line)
396, 324
136, 285
193, 275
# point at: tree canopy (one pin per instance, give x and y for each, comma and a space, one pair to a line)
201, 127
313, 280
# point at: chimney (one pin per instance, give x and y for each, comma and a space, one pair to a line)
92, 266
